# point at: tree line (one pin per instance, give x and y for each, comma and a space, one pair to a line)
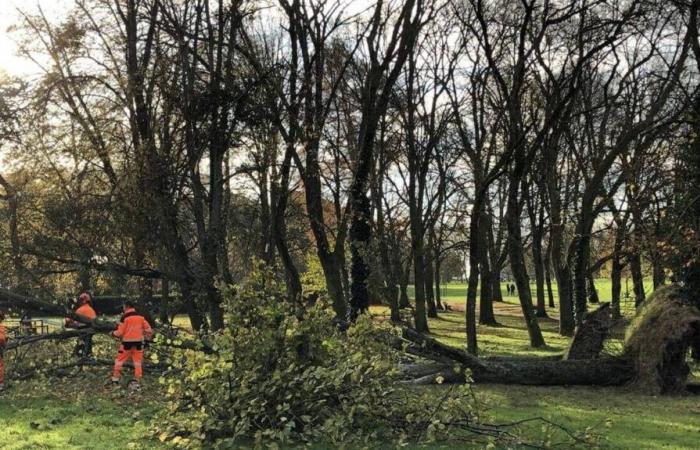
376, 146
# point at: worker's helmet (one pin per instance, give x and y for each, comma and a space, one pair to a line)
84, 298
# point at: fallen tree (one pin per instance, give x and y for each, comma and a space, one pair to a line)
16, 302
527, 371
653, 358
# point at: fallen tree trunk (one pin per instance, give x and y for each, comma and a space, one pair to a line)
59, 336
526, 371
12, 301
653, 359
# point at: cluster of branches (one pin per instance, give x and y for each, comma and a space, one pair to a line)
388, 144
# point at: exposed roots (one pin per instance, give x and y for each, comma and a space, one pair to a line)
658, 340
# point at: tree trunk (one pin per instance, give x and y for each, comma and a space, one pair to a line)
496, 285
473, 283
278, 230
486, 314
392, 293
418, 251
581, 262
360, 238
558, 256
216, 311
548, 277
539, 273
438, 282
420, 317
404, 278
616, 282
197, 319
334, 283
659, 274
517, 260
637, 279
535, 210
164, 300
523, 371
429, 283
593, 292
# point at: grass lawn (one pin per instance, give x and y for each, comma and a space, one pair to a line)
626, 419
79, 413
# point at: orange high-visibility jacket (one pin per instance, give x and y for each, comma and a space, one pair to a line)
133, 327
3, 336
86, 311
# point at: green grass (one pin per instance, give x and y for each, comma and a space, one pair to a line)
457, 292
75, 414
626, 419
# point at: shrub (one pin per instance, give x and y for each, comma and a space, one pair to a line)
278, 378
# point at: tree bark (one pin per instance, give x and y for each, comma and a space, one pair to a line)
473, 281
593, 292
637, 278
548, 277
486, 314
539, 271
517, 258
438, 285
523, 371
616, 285
429, 282
659, 274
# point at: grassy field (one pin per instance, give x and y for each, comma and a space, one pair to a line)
626, 419
82, 413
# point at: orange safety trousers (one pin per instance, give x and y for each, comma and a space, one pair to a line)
133, 350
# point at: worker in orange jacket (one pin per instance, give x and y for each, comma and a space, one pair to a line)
133, 330
3, 341
83, 348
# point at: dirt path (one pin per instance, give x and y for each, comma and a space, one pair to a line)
500, 309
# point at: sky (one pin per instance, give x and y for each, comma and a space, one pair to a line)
9, 15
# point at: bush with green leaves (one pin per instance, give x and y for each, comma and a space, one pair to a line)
279, 377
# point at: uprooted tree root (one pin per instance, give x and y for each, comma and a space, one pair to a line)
659, 338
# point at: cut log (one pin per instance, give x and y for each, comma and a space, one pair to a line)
590, 336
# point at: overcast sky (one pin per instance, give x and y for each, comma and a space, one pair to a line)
9, 15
